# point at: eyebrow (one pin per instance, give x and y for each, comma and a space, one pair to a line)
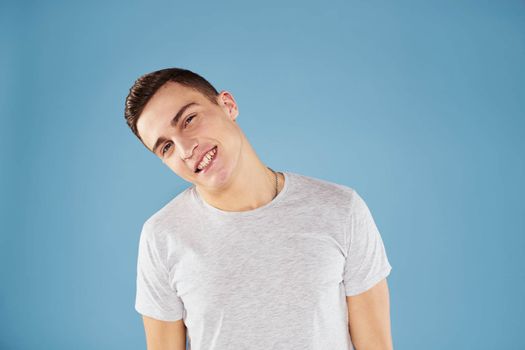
173, 123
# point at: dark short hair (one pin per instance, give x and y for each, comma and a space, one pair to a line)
148, 84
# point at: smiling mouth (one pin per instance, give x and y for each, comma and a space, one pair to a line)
200, 170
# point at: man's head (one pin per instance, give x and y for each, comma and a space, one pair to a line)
179, 116
148, 84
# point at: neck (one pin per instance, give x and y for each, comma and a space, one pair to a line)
248, 190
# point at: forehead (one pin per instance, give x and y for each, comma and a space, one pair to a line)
162, 107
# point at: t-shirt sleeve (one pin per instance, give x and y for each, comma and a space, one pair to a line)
366, 260
155, 297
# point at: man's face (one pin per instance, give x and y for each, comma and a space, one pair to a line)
200, 127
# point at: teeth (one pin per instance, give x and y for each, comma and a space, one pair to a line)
206, 159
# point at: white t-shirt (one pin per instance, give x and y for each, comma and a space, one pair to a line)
275, 277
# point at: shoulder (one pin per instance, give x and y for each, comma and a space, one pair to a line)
324, 190
166, 217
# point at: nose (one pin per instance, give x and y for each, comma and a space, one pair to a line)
186, 148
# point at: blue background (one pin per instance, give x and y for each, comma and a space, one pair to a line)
418, 105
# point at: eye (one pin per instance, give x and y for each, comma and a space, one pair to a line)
189, 118
164, 148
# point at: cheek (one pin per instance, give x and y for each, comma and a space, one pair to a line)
207, 129
227, 129
175, 164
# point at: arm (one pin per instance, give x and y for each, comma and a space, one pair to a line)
164, 335
369, 318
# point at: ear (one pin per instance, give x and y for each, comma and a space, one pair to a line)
228, 104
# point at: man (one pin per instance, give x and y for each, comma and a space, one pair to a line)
246, 257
